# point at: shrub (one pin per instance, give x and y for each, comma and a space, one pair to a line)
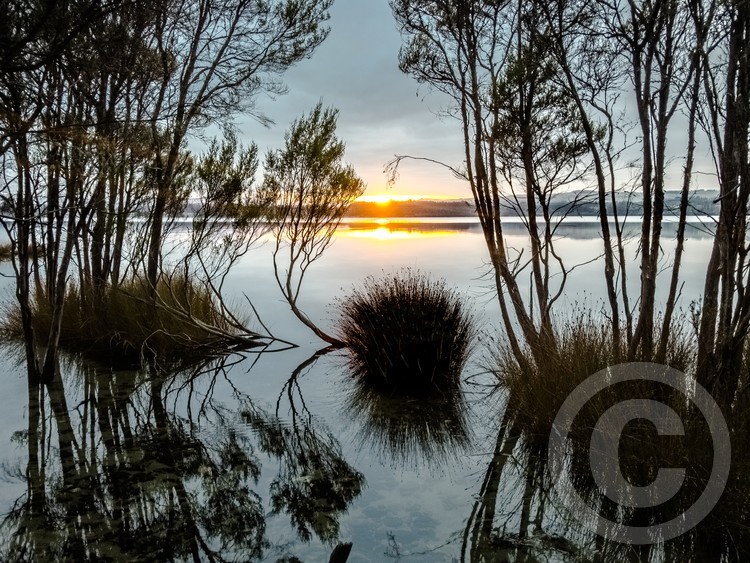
406, 332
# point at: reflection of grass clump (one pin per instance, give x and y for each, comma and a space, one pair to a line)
409, 430
5, 252
406, 332
123, 326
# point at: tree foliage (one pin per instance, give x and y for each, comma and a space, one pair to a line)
97, 103
309, 188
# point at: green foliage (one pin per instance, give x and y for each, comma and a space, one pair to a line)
407, 333
223, 179
308, 189
307, 183
125, 327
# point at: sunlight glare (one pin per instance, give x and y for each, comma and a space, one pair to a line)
385, 233
386, 198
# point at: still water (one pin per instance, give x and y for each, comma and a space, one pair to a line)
276, 455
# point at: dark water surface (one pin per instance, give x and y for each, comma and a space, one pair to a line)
266, 457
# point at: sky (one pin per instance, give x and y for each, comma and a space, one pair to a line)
382, 112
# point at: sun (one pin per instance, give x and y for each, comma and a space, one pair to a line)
380, 199
386, 198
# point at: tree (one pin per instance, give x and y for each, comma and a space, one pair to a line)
217, 55
725, 310
91, 135
227, 219
667, 58
32, 70
490, 59
309, 189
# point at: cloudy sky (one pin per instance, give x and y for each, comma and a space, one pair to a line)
383, 112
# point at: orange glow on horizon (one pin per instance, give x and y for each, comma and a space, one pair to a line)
384, 198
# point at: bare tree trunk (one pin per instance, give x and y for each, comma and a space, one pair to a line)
25, 223
681, 225
724, 314
601, 182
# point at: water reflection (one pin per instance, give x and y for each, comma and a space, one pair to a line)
120, 477
576, 228
138, 466
519, 516
407, 430
395, 229
315, 484
429, 427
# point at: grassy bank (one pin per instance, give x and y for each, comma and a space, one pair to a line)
123, 327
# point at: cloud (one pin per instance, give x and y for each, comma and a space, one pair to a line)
382, 111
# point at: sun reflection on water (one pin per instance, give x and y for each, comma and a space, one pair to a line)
385, 233
387, 230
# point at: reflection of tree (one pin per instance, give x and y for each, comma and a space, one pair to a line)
431, 427
120, 475
517, 515
315, 484
130, 481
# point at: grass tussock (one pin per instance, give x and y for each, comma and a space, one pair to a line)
538, 385
123, 327
407, 333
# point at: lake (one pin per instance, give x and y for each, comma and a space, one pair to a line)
275, 455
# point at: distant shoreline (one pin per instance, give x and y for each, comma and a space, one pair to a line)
702, 203
412, 208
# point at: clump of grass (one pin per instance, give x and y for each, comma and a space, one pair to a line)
538, 385
124, 327
407, 333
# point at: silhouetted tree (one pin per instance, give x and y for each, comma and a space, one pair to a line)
309, 188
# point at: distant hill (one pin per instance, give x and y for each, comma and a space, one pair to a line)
412, 208
582, 204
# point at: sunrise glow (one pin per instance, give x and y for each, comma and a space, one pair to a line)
386, 198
